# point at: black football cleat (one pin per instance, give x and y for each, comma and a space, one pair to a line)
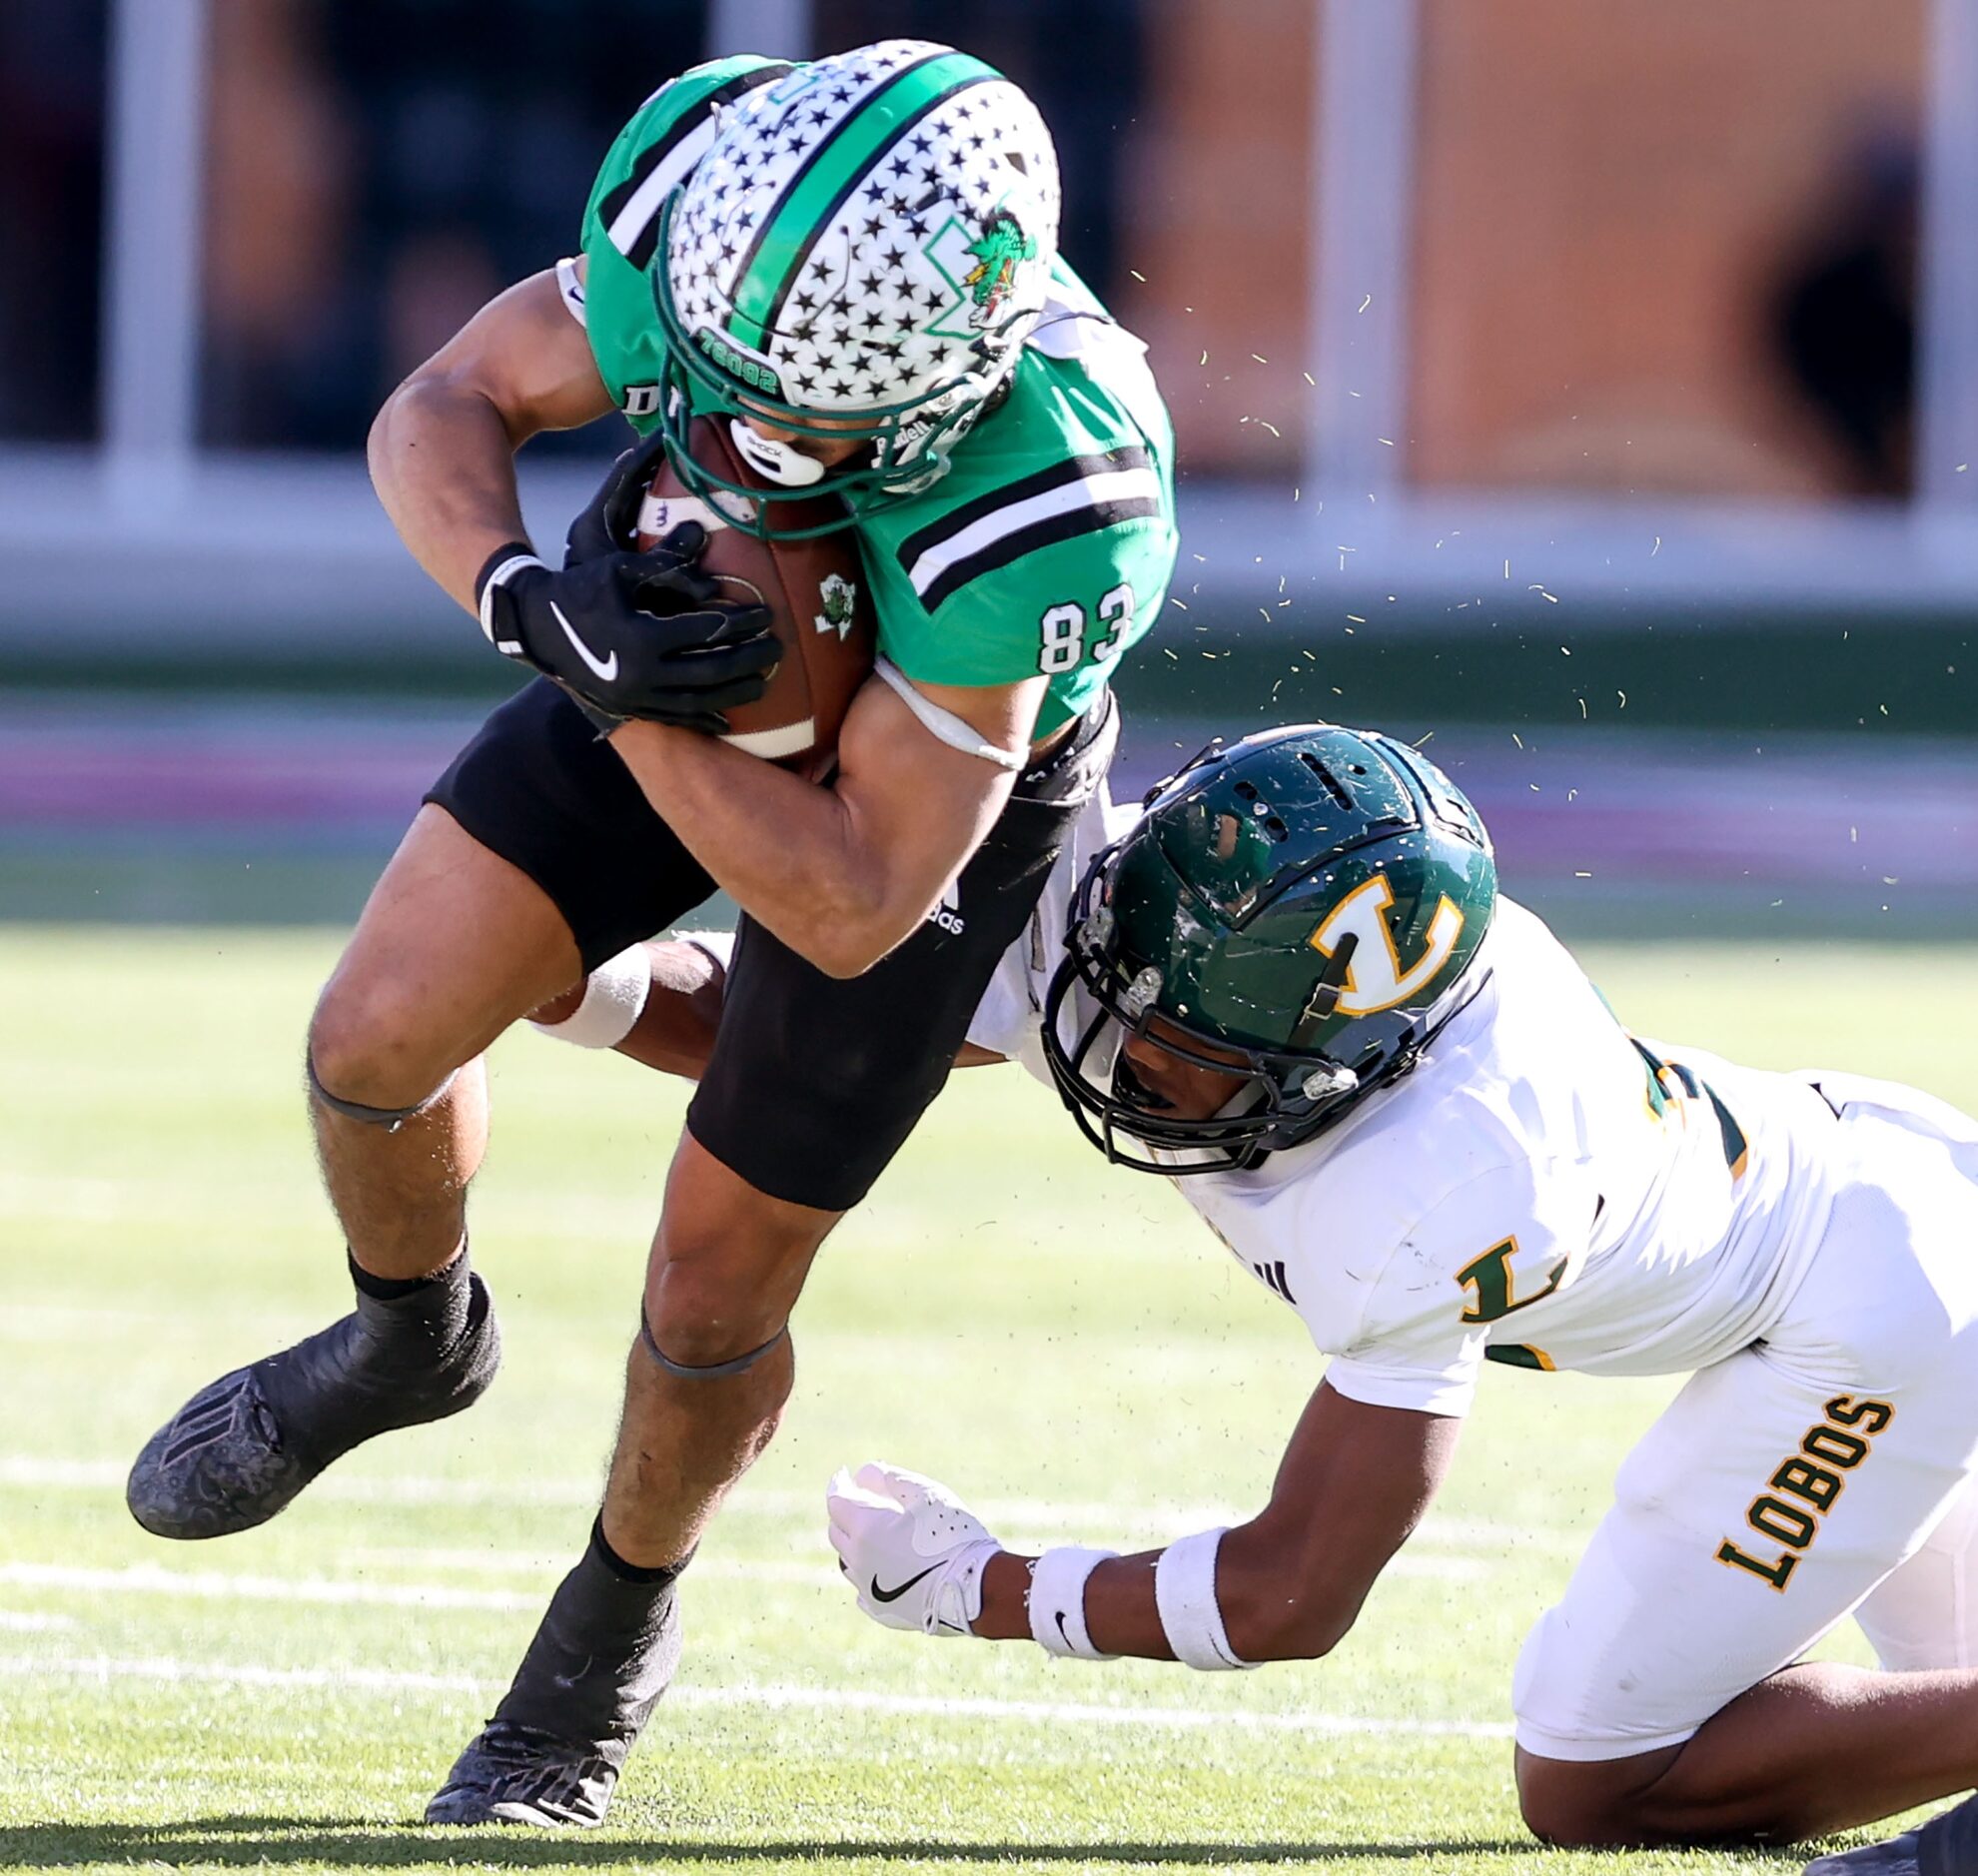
240, 1448
552, 1755
1945, 1846
514, 1775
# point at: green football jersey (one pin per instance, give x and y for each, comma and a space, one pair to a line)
1049, 543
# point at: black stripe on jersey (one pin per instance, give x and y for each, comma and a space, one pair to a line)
1045, 533
1072, 469
640, 252
851, 188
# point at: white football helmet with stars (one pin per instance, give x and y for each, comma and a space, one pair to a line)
862, 251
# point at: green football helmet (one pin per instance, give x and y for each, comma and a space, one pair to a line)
1301, 908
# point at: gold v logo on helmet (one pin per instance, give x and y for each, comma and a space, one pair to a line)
1374, 978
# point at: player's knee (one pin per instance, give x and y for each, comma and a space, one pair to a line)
699, 1315
1567, 1808
711, 1296
369, 1043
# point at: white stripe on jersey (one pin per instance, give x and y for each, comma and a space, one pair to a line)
1093, 492
669, 173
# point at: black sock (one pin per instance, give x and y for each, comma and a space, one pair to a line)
422, 1317
630, 1572
393, 1289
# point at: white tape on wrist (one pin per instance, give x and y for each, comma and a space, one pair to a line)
1057, 1602
613, 996
509, 648
946, 727
1185, 1595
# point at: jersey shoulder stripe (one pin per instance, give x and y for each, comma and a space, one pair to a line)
1079, 496
630, 210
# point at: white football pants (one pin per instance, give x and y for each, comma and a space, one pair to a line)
1835, 1459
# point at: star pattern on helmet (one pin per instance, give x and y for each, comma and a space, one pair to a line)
873, 317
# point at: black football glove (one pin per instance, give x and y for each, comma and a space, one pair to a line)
608, 523
629, 635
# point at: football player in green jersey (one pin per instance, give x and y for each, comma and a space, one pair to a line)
852, 263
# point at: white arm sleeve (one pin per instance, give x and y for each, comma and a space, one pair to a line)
572, 287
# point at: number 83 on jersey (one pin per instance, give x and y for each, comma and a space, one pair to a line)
1064, 628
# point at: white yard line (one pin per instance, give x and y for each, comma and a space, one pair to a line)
111, 1670
152, 1579
222, 1586
1483, 1540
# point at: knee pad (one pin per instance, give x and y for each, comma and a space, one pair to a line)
710, 1371
390, 1119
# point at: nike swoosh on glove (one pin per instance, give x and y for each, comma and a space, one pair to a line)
911, 1549
632, 635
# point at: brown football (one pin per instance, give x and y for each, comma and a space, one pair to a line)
814, 590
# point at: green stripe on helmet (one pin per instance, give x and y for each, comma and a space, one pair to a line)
860, 136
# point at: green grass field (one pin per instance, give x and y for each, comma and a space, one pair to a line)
1059, 1342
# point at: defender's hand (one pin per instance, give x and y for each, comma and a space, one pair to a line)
633, 634
610, 523
913, 1552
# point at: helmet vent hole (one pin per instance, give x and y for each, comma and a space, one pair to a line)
1275, 828
1245, 791
1327, 779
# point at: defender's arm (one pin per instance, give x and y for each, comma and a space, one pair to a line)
842, 874
443, 446
1354, 1483
661, 1004
1287, 1585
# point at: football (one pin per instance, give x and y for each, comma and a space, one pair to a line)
814, 590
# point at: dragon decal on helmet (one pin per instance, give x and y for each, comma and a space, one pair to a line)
860, 254
1300, 910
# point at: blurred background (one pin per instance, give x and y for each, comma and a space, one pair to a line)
1593, 389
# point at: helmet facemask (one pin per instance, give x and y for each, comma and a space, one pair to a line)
906, 446
1284, 1097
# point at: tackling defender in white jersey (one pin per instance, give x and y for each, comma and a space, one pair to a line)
1292, 985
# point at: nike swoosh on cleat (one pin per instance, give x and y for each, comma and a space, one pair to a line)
893, 1595
607, 668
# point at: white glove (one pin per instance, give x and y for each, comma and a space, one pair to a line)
913, 1552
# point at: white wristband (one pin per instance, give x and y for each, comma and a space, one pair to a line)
613, 996
1185, 1595
509, 648
1057, 1602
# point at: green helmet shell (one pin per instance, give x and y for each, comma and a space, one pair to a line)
1303, 902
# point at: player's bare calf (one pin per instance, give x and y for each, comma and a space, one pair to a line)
399, 1105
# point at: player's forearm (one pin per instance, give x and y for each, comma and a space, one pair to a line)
1269, 1612
791, 854
443, 462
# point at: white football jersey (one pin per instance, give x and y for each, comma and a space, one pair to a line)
1541, 1190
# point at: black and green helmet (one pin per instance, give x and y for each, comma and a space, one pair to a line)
1298, 908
